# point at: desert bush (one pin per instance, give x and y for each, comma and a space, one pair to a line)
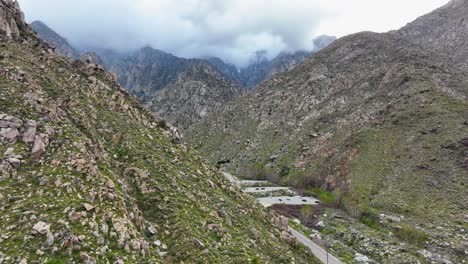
258, 171
298, 179
324, 196
370, 219
411, 235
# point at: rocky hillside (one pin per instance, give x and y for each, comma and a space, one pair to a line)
261, 68
443, 31
88, 176
50, 36
196, 93
181, 90
380, 122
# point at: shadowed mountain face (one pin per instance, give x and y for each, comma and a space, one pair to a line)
381, 122
88, 175
181, 90
50, 36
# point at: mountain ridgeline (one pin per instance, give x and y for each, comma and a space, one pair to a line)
379, 120
88, 175
261, 68
182, 91
51, 37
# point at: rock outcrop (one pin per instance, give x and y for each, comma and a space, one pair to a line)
12, 22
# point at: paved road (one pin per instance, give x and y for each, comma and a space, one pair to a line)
251, 183
319, 252
292, 200
264, 189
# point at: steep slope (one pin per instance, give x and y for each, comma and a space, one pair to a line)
382, 123
443, 31
180, 90
50, 36
87, 175
261, 68
196, 93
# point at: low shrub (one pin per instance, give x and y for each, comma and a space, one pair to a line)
411, 235
370, 219
324, 196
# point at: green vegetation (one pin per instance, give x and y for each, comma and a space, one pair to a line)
324, 196
411, 235
105, 150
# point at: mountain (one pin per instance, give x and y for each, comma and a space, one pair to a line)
261, 68
376, 120
197, 92
443, 31
87, 175
50, 36
181, 90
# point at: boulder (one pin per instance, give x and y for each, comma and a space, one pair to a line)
88, 207
41, 228
39, 146
30, 135
9, 135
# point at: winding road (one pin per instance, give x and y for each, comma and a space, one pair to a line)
318, 251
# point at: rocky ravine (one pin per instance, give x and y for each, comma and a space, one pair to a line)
381, 122
87, 175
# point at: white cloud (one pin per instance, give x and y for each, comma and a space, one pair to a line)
230, 29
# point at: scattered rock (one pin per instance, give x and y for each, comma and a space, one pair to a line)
9, 135
39, 146
9, 152
88, 207
41, 228
30, 135
198, 243
361, 258
14, 162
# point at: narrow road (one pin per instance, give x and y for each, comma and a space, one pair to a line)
318, 251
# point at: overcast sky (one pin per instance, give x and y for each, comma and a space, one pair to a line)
230, 29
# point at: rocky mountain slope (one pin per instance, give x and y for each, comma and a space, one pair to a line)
261, 68
379, 121
87, 175
50, 36
443, 31
181, 90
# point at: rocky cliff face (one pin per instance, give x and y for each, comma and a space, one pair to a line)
87, 175
50, 36
180, 90
373, 118
12, 23
261, 68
